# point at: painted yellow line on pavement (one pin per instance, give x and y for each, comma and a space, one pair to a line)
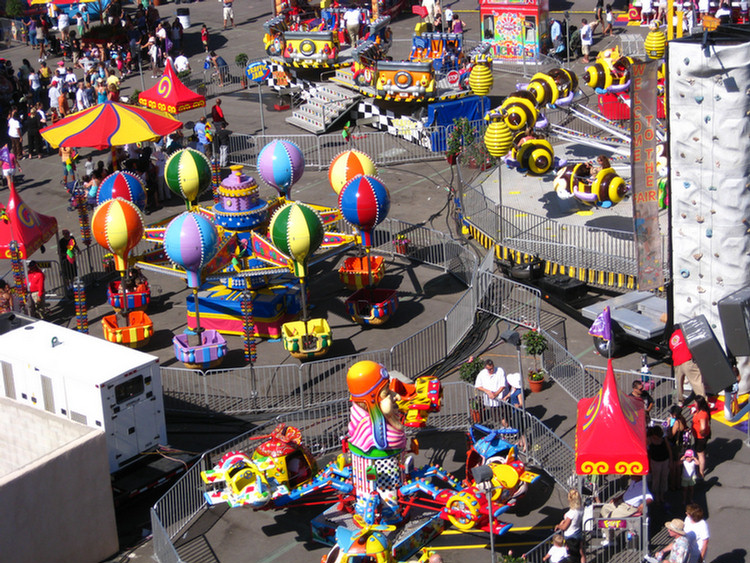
484, 545
513, 529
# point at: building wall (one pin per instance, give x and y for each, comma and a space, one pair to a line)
58, 506
709, 172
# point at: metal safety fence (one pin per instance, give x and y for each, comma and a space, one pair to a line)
576, 246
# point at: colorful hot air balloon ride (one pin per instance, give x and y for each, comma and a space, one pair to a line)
280, 165
364, 202
191, 241
297, 230
187, 174
117, 225
125, 185
347, 165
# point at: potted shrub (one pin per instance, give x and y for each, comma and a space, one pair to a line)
465, 141
401, 244
535, 343
241, 61
468, 373
510, 558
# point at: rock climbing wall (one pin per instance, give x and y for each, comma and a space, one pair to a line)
709, 101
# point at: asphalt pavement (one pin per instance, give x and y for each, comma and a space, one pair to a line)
420, 194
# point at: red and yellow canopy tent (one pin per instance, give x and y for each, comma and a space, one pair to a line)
21, 224
611, 432
170, 94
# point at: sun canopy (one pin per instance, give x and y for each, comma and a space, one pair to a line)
110, 124
171, 95
611, 432
20, 223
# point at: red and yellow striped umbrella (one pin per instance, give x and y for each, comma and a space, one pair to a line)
110, 124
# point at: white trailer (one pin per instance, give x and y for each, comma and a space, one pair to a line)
87, 380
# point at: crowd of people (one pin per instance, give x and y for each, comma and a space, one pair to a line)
89, 71
676, 448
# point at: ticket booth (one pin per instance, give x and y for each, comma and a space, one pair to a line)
515, 26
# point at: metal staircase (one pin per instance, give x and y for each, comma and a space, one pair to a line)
325, 105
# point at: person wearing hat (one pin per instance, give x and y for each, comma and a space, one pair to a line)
629, 503
54, 95
683, 548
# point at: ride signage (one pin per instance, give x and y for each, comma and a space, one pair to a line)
257, 71
644, 176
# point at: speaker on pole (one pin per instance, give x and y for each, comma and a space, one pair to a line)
708, 355
734, 312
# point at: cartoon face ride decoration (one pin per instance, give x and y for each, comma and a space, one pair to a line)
376, 441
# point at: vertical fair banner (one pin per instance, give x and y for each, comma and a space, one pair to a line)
644, 177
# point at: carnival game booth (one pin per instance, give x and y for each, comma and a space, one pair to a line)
512, 27
611, 440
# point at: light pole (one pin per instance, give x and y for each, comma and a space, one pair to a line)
512, 337
567, 37
483, 477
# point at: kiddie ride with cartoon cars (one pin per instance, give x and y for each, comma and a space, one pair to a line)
382, 507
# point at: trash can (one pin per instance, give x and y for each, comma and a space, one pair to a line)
183, 14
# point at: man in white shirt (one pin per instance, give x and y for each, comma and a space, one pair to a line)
54, 95
63, 21
82, 101
71, 80
181, 63
351, 20
491, 382
447, 19
587, 38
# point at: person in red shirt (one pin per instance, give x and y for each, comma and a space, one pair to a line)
217, 114
701, 427
35, 278
204, 37
684, 366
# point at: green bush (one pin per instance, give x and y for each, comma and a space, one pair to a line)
468, 371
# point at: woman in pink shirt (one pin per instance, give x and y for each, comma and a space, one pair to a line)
9, 165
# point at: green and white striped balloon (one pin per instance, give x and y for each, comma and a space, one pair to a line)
296, 230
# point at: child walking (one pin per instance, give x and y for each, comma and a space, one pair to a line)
689, 472
608, 19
